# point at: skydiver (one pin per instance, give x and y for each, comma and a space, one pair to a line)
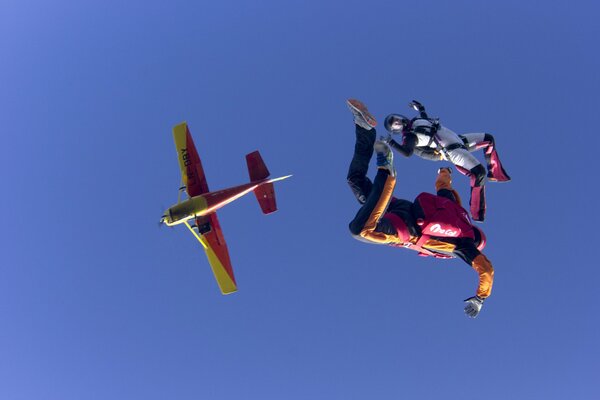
433, 225
430, 140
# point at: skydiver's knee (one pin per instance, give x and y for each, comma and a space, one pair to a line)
352, 181
479, 173
489, 138
355, 228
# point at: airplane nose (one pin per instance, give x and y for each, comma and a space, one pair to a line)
166, 218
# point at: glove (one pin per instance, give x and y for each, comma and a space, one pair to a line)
386, 139
473, 306
416, 105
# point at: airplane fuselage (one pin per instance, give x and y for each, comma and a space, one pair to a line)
207, 203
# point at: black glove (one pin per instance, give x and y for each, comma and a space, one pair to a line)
416, 105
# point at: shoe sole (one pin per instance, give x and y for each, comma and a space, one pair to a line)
497, 181
362, 110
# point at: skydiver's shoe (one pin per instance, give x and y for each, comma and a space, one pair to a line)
362, 116
385, 157
445, 168
494, 178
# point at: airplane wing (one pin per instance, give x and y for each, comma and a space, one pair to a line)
192, 173
209, 232
216, 252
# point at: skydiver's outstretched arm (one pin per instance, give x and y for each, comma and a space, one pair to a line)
417, 106
484, 268
409, 141
467, 251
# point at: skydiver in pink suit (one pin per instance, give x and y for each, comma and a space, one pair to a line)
430, 140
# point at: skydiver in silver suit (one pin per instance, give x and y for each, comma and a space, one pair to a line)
430, 140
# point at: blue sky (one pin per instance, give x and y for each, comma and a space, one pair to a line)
98, 303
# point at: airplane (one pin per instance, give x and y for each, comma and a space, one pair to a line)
201, 204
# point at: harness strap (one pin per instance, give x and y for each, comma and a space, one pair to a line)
423, 252
455, 146
430, 131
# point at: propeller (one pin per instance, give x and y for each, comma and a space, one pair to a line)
161, 222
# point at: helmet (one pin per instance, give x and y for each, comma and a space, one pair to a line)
480, 238
393, 119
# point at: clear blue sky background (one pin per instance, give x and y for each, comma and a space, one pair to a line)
97, 303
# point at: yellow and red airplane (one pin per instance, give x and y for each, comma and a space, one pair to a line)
202, 204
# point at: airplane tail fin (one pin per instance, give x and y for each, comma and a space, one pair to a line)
265, 193
256, 166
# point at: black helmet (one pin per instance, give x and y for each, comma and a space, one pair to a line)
390, 119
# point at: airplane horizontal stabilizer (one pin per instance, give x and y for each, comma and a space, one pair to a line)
265, 194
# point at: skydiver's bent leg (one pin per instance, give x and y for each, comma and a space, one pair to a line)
369, 223
485, 141
359, 183
373, 201
477, 200
467, 164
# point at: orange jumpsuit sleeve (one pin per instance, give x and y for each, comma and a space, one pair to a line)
484, 268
